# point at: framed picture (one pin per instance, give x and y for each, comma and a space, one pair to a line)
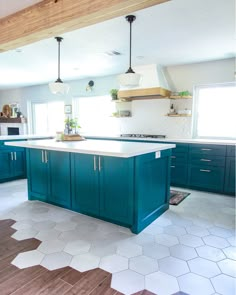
68, 109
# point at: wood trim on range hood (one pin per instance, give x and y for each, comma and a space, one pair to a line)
144, 93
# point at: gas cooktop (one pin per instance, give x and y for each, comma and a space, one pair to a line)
143, 135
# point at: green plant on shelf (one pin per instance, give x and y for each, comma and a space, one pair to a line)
71, 126
114, 94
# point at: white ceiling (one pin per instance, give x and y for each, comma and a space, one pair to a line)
176, 32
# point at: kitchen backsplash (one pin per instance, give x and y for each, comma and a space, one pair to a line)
149, 117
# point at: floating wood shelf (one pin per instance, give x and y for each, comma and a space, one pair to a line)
11, 120
178, 115
180, 97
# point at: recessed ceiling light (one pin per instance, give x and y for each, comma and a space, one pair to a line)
18, 50
112, 53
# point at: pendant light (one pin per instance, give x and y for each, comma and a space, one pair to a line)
58, 87
130, 78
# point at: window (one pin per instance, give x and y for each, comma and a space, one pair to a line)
215, 111
47, 117
94, 115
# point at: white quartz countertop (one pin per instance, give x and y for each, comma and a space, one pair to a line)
27, 136
167, 140
96, 147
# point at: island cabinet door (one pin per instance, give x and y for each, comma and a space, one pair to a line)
85, 186
229, 185
19, 162
60, 181
37, 169
5, 164
116, 189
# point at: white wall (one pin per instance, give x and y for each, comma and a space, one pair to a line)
148, 115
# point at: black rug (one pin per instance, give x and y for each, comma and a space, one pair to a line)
177, 197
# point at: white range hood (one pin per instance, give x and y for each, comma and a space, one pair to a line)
153, 84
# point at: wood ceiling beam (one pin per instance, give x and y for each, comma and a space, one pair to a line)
50, 18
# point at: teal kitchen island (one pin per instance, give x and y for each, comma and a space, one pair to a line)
127, 183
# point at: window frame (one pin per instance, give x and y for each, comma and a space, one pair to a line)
195, 110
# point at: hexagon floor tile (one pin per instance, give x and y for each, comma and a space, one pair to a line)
224, 284
85, 262
28, 259
185, 249
161, 283
194, 284
173, 266
204, 267
143, 265
114, 263
56, 260
210, 253
127, 282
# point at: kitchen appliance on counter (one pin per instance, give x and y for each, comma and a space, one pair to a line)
143, 135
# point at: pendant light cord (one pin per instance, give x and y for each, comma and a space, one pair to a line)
130, 19
59, 39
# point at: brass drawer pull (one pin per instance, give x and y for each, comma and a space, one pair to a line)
206, 149
205, 160
172, 166
94, 163
203, 170
173, 157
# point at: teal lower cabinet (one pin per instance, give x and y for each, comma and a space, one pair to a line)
85, 184
103, 187
206, 178
179, 169
49, 176
229, 185
12, 163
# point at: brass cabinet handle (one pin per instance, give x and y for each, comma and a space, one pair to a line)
172, 166
42, 156
15, 156
206, 149
99, 164
46, 156
173, 157
94, 163
205, 160
12, 156
204, 170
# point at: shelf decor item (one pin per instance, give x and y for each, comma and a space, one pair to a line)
130, 78
58, 87
114, 94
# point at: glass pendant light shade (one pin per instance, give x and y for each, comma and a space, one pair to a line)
58, 87
130, 78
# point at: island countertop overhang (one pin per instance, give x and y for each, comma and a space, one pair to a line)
95, 147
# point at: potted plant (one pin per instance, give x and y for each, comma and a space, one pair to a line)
114, 94
71, 126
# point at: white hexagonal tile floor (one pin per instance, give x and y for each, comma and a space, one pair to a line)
189, 248
28, 259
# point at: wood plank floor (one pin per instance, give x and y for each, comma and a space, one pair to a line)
38, 280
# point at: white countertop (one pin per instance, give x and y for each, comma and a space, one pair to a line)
167, 140
96, 147
19, 137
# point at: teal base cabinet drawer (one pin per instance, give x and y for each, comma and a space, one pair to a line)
229, 185
206, 160
207, 149
206, 178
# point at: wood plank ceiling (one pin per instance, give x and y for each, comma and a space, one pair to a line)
54, 17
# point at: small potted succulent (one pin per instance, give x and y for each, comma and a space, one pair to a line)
114, 94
